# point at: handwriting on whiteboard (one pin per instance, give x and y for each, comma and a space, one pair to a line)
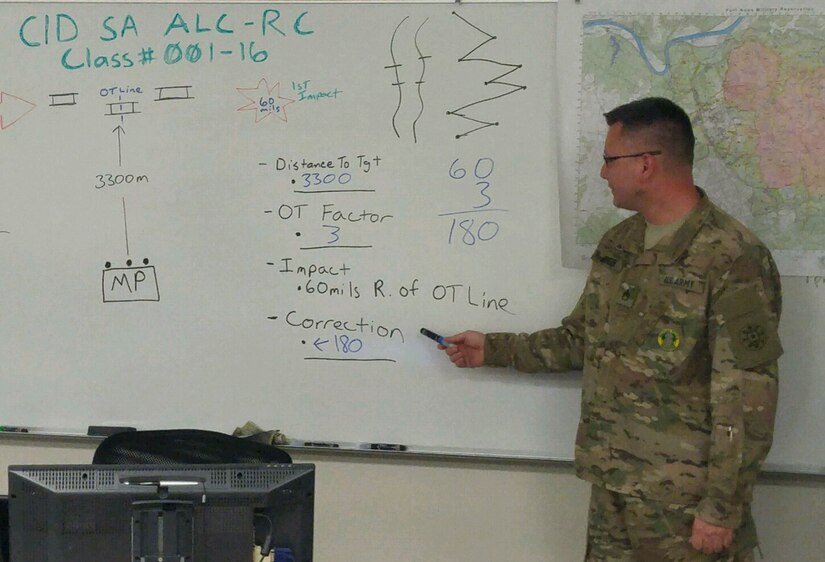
188, 37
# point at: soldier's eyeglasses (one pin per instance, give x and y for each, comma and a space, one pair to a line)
609, 159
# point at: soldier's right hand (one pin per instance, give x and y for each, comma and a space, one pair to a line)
467, 349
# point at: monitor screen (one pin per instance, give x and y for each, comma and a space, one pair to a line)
154, 513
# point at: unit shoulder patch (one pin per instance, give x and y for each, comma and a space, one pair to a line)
754, 338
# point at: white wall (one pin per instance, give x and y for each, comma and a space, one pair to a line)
385, 508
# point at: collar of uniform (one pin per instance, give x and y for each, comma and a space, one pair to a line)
680, 241
633, 241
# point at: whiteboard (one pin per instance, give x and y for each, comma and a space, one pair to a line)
215, 213
219, 213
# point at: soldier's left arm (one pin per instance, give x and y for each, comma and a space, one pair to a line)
743, 320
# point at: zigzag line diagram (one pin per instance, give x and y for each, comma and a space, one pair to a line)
512, 88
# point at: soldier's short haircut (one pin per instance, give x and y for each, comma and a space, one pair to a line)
661, 119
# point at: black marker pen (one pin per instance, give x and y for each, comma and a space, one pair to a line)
13, 429
387, 447
320, 444
435, 337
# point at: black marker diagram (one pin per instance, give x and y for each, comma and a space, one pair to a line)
12, 109
132, 283
513, 88
398, 83
135, 282
64, 99
265, 101
423, 58
172, 93
119, 131
121, 109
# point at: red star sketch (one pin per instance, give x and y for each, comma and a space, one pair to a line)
264, 102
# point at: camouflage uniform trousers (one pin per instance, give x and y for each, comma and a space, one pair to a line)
622, 528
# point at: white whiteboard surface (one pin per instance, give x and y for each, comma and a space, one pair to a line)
202, 191
210, 331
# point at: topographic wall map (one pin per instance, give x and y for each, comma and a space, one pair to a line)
753, 82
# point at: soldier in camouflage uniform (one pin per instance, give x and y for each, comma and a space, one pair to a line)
676, 335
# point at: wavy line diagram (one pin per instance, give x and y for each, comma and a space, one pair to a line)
512, 88
398, 83
420, 82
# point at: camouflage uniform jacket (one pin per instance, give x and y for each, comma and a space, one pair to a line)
678, 346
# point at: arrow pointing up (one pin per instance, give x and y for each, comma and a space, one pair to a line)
12, 109
120, 131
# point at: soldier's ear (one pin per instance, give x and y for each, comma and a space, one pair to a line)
649, 166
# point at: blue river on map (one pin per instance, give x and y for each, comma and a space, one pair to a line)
675, 41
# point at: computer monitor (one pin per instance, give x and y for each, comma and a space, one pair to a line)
154, 513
